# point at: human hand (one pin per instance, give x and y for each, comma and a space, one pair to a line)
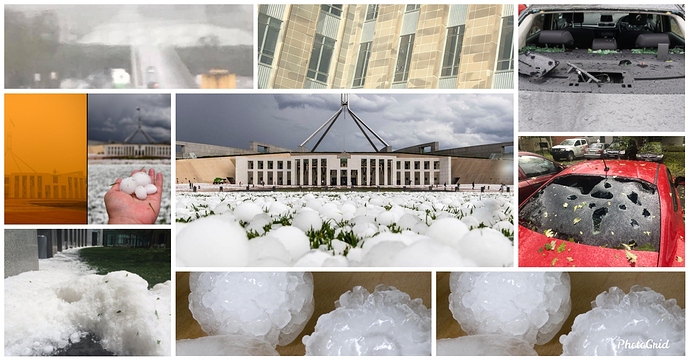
126, 208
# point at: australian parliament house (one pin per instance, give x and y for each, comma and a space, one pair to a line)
129, 149
423, 165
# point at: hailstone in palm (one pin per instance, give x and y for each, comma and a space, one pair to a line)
139, 184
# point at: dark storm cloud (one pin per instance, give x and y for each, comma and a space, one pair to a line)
402, 120
114, 117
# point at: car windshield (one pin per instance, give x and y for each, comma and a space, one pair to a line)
651, 148
618, 146
597, 211
568, 142
596, 146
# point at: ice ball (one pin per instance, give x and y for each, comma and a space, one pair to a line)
307, 220
639, 323
246, 211
532, 306
141, 178
484, 345
487, 247
140, 192
128, 185
151, 189
269, 306
383, 323
224, 345
212, 242
447, 230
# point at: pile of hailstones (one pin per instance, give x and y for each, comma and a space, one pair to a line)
139, 184
506, 314
249, 314
220, 239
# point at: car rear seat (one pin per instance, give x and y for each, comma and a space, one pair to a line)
651, 40
556, 37
582, 38
604, 44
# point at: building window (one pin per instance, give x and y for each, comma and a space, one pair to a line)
343, 162
416, 164
372, 12
402, 66
320, 60
269, 28
504, 61
270, 164
260, 164
250, 164
333, 9
362, 62
451, 55
411, 7
280, 164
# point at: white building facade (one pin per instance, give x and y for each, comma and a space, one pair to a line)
137, 150
344, 169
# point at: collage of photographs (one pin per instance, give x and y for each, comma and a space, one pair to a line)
346, 179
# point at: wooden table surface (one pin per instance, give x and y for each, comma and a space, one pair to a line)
328, 286
585, 286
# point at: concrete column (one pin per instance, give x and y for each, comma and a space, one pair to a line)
21, 251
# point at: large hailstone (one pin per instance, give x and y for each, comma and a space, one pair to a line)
640, 323
484, 345
271, 306
224, 345
532, 306
383, 323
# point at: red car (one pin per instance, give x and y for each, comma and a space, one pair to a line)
533, 171
599, 213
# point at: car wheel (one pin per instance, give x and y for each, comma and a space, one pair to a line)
571, 156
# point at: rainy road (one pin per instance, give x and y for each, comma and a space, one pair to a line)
161, 65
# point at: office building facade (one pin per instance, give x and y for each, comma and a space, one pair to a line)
392, 46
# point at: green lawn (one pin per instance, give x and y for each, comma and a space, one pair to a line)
675, 161
153, 264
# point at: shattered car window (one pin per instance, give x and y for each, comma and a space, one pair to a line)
597, 211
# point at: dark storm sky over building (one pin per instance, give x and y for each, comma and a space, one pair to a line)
402, 120
114, 117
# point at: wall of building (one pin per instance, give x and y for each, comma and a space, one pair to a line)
316, 169
137, 150
496, 150
204, 170
66, 186
489, 171
206, 150
21, 251
428, 24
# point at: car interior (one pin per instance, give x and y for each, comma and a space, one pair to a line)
604, 31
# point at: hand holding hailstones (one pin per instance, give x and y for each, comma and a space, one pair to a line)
135, 199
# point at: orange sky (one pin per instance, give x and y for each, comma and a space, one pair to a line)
45, 131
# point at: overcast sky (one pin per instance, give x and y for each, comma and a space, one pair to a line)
113, 117
402, 120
